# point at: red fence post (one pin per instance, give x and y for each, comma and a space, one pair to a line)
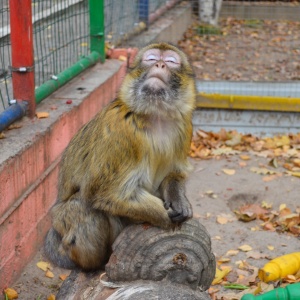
22, 52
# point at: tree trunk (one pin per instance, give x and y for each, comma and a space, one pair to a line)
209, 11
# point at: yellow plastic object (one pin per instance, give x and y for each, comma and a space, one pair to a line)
248, 102
280, 267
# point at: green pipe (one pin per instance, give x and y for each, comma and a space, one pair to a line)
97, 27
65, 76
290, 292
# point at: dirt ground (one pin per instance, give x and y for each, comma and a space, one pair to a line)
213, 188
215, 195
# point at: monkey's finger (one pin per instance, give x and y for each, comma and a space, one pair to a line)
167, 204
177, 216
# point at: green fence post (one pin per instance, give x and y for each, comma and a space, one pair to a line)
97, 38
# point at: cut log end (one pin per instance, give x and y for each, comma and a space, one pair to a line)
182, 256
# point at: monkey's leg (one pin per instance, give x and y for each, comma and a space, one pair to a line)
80, 236
173, 192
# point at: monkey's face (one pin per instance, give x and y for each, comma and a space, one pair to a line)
161, 82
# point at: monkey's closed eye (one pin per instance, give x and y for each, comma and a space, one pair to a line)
171, 59
152, 57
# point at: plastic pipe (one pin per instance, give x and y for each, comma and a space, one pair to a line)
248, 102
290, 292
62, 78
12, 114
97, 38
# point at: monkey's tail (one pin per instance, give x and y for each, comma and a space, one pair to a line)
51, 250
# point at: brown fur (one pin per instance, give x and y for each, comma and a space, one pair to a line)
126, 165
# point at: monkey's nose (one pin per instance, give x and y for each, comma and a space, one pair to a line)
160, 64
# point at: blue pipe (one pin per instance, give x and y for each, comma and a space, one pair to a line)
12, 114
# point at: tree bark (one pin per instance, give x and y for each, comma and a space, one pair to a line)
209, 11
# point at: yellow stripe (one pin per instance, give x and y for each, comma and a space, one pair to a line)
248, 102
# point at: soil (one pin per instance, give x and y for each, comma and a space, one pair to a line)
244, 50
273, 48
213, 194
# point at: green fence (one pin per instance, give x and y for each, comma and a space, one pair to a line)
69, 35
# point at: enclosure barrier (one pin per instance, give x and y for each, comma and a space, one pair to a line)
124, 19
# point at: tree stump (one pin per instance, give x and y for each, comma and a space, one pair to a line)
152, 263
180, 256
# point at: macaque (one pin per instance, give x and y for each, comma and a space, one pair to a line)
128, 164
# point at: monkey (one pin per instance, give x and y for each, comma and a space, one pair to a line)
128, 164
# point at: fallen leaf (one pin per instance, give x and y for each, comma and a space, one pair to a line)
223, 260
262, 171
245, 248
273, 163
270, 178
270, 247
282, 206
49, 274
51, 297
220, 274
229, 171
232, 252
41, 115
245, 157
2, 135
43, 265
63, 276
11, 293
222, 220
242, 164
255, 255
265, 204
296, 174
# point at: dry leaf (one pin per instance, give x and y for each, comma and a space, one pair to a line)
223, 260
49, 274
255, 255
262, 171
41, 115
245, 157
2, 135
282, 206
265, 204
51, 297
45, 266
229, 171
220, 274
242, 164
232, 252
270, 247
122, 58
63, 276
222, 220
245, 248
11, 293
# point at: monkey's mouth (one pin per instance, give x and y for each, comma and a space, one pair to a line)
155, 82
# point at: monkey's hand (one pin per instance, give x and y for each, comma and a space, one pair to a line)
181, 209
173, 193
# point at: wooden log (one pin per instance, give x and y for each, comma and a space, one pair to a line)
179, 256
150, 263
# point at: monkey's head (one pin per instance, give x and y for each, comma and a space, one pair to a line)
161, 82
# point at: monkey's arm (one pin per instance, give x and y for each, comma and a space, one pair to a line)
173, 193
140, 206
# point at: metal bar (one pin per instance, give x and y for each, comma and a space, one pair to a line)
245, 102
144, 11
62, 78
97, 38
22, 52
